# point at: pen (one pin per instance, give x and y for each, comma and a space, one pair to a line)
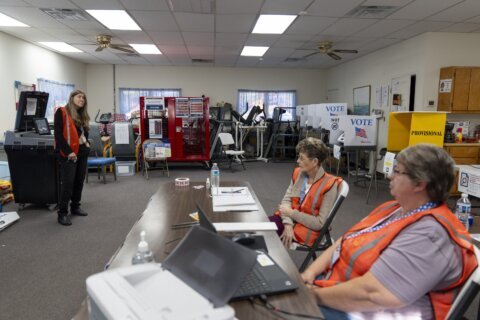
233, 191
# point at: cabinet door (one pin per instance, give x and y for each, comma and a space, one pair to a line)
445, 97
461, 88
474, 95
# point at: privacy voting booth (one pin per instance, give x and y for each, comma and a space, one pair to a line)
360, 131
410, 128
318, 115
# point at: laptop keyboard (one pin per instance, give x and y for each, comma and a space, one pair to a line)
253, 284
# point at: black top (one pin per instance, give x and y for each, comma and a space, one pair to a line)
61, 142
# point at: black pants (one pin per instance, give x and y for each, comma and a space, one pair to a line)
72, 175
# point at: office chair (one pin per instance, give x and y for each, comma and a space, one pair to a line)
226, 140
324, 240
467, 294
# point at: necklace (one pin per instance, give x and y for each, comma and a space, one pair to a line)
423, 207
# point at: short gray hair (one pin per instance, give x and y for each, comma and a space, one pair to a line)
430, 164
313, 148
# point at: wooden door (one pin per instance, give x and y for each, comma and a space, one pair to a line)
461, 88
474, 95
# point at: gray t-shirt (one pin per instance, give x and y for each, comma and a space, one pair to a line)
421, 258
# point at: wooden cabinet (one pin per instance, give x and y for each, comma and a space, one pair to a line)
459, 90
462, 153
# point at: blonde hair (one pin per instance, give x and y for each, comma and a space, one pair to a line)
79, 116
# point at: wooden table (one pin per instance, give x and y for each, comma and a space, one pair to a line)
171, 205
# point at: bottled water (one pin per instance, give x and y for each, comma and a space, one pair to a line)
143, 254
215, 177
463, 210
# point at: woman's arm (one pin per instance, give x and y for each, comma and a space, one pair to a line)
60, 140
321, 264
364, 293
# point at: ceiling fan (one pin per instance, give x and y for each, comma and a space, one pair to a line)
105, 41
325, 47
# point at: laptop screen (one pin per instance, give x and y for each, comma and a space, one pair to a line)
210, 264
204, 221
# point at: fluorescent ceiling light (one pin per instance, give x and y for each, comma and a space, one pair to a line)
250, 51
145, 48
60, 46
273, 24
6, 21
114, 19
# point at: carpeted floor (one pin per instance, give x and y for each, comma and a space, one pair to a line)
43, 266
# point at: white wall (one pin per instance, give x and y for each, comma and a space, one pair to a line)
219, 84
423, 56
25, 62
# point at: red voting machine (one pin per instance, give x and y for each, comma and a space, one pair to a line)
182, 122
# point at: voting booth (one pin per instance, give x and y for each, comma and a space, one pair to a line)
410, 128
318, 115
359, 131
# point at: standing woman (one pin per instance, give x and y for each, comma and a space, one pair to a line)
71, 140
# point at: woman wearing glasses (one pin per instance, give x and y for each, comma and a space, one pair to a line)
407, 258
309, 198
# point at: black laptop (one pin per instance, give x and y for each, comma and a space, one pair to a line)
266, 277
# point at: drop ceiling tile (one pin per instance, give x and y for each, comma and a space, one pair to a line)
155, 20
247, 61
180, 60
352, 42
238, 7
145, 5
384, 27
474, 20
418, 28
292, 41
196, 6
195, 22
198, 38
93, 25
263, 40
325, 8
278, 53
235, 23
462, 27
173, 50
133, 37
394, 3
310, 25
421, 9
14, 3
28, 34
322, 37
166, 38
377, 45
348, 26
298, 54
227, 51
31, 16
458, 13
59, 4
90, 48
199, 52
230, 39
133, 59
98, 4
156, 59
284, 6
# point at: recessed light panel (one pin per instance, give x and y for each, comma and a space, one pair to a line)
114, 19
60, 46
250, 51
145, 48
6, 21
273, 24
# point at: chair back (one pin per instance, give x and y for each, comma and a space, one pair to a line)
226, 139
343, 190
467, 294
95, 140
126, 150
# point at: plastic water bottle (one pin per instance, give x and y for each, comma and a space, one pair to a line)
463, 210
215, 177
143, 254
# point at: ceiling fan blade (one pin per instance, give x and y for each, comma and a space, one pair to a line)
334, 56
99, 49
310, 54
123, 48
345, 51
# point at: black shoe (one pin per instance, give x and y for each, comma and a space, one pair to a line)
79, 212
64, 220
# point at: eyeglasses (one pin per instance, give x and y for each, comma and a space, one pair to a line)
397, 172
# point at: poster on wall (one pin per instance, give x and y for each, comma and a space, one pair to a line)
445, 85
359, 130
361, 101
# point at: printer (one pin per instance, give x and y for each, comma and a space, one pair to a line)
195, 281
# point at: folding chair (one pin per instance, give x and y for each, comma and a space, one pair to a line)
324, 240
226, 140
467, 294
149, 156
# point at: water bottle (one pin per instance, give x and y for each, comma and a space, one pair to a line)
463, 210
215, 177
143, 254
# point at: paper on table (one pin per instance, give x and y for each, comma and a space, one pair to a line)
475, 236
247, 207
245, 226
228, 196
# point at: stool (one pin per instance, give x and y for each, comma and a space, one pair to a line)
101, 164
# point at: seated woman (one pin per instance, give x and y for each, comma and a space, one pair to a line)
309, 197
407, 258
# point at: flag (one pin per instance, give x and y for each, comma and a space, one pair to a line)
360, 132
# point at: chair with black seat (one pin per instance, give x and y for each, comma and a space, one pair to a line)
94, 159
467, 294
233, 155
373, 177
324, 240
123, 149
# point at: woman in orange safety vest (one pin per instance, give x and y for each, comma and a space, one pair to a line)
71, 125
408, 258
309, 197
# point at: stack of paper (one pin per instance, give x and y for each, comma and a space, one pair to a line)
233, 199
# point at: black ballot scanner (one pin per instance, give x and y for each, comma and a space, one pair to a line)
31, 155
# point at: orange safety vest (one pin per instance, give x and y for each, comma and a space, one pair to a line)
359, 253
311, 204
70, 132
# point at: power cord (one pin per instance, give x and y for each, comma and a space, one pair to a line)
263, 298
